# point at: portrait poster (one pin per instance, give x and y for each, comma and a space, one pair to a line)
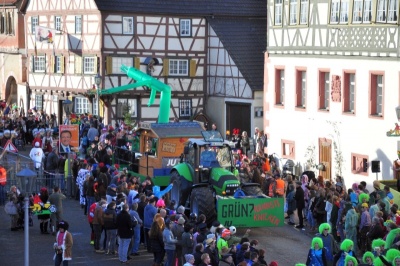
68, 138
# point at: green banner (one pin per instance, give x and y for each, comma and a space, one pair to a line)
251, 212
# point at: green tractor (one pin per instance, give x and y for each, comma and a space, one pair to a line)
205, 172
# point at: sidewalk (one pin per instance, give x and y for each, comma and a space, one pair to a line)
41, 246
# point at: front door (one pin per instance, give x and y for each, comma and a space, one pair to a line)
238, 116
325, 158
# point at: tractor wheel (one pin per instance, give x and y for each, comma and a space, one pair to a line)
180, 190
202, 202
252, 189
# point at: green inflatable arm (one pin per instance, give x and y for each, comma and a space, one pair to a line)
155, 85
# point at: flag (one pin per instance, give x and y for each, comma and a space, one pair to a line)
43, 34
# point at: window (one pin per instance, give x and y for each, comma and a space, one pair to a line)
178, 67
387, 11
185, 27
185, 108
300, 88
39, 63
362, 11
78, 24
324, 85
57, 23
303, 12
34, 23
150, 145
359, 164
258, 111
293, 12
81, 105
288, 149
59, 64
279, 86
90, 65
339, 11
127, 25
278, 12
348, 92
376, 95
39, 102
117, 62
7, 22
126, 106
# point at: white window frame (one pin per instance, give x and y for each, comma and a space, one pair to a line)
178, 67
393, 11
344, 12
278, 12
282, 86
185, 27
34, 23
303, 87
39, 64
81, 105
57, 23
127, 25
358, 11
379, 94
304, 12
58, 64
39, 101
117, 62
185, 108
78, 24
132, 103
292, 12
352, 87
327, 85
387, 11
89, 65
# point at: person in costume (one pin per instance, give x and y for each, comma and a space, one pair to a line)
387, 259
346, 249
44, 217
317, 253
350, 261
378, 247
63, 245
368, 258
328, 241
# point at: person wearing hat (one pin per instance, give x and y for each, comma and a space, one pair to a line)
63, 245
37, 155
187, 239
364, 226
226, 258
211, 250
222, 241
300, 203
170, 242
177, 230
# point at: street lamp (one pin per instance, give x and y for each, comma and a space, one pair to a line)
27, 179
97, 80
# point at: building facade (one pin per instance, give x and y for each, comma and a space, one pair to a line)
186, 46
332, 86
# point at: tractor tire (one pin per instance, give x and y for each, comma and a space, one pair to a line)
180, 190
253, 190
202, 202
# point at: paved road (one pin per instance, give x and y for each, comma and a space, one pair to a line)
286, 244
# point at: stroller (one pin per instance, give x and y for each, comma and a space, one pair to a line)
21, 211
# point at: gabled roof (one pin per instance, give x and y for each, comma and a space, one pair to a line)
177, 130
241, 26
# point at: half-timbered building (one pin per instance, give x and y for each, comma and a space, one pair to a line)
209, 52
332, 86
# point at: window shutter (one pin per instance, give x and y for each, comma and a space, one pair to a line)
137, 63
52, 65
62, 62
96, 66
45, 63
165, 67
78, 64
32, 63
109, 65
192, 70
373, 15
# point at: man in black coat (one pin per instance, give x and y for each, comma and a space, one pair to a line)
300, 203
125, 232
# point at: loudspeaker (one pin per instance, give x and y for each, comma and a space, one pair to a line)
376, 166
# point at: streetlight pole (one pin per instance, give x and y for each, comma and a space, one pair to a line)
97, 80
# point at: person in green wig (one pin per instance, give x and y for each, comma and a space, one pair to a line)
317, 253
368, 258
328, 241
387, 259
350, 261
346, 248
378, 247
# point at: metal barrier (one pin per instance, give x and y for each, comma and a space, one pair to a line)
15, 162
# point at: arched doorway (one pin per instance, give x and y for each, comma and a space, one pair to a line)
11, 91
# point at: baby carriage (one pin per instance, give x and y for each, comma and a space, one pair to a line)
21, 211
